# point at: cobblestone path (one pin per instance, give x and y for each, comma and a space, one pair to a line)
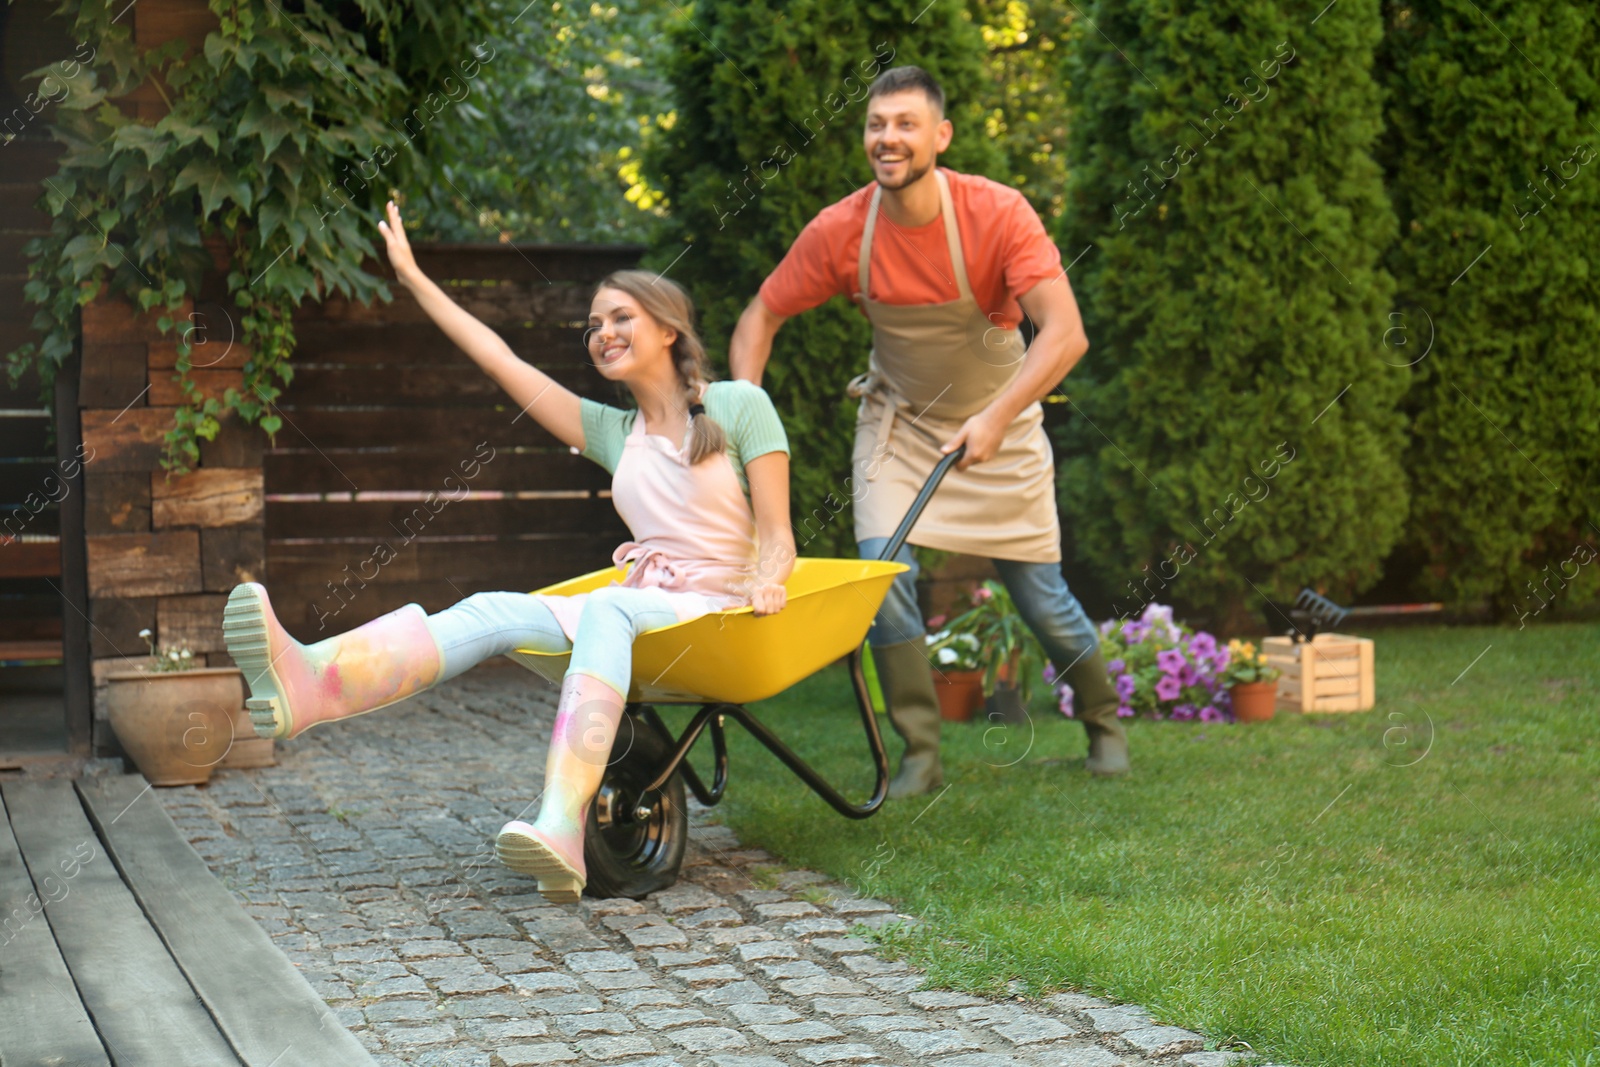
367, 854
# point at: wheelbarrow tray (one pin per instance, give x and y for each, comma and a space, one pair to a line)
638, 822
734, 657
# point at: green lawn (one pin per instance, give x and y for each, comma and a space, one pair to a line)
1416, 884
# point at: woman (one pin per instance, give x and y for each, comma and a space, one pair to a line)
700, 476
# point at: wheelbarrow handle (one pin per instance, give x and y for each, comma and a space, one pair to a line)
904, 529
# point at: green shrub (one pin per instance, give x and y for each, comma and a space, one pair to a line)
1233, 433
1491, 117
767, 133
276, 126
1024, 100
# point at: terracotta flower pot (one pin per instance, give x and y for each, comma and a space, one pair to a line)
1254, 701
175, 726
247, 749
960, 694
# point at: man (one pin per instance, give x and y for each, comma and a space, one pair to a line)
943, 265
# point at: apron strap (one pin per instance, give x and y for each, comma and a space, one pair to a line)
952, 238
864, 257
952, 235
872, 383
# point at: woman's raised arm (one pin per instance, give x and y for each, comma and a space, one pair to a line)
551, 404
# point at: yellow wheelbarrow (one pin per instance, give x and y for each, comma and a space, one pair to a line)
639, 822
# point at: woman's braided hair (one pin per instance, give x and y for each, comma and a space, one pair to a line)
665, 301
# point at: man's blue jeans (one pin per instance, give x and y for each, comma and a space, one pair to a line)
1039, 589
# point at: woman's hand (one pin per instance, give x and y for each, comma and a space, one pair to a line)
558, 408
770, 598
400, 256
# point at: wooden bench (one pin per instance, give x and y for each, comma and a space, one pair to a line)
30, 558
117, 945
33, 557
29, 653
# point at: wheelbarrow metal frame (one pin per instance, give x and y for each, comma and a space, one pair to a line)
711, 715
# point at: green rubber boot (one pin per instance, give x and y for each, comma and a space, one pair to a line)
913, 707
1095, 705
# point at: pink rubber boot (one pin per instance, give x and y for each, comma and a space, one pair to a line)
293, 686
551, 847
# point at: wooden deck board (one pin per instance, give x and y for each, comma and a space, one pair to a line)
44, 1021
144, 1008
258, 998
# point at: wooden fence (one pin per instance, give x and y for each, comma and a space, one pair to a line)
404, 474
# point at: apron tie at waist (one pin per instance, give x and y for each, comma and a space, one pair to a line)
873, 386
647, 561
864, 383
652, 567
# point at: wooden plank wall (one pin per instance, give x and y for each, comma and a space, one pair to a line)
159, 547
404, 474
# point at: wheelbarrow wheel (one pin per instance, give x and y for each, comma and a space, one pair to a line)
634, 842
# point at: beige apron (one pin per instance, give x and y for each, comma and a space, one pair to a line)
933, 366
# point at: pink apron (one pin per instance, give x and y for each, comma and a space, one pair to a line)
696, 532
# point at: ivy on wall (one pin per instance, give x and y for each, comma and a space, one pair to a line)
282, 135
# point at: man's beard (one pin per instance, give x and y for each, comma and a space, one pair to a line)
912, 174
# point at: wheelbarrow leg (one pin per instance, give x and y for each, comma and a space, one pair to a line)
807, 774
675, 766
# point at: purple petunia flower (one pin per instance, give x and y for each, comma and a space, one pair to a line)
1155, 613
1049, 673
1133, 632
1126, 686
1211, 714
1065, 703
1184, 713
1202, 644
1168, 688
1124, 711
1188, 676
1170, 661
1221, 658
1116, 667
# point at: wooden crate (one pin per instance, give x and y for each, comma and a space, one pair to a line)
1331, 672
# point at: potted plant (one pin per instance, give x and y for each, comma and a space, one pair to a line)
1252, 685
957, 673
174, 718
1162, 669
1009, 654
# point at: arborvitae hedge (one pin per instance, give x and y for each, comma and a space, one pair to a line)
1230, 221
770, 101
1493, 150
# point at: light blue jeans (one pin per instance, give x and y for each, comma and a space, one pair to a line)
494, 624
1040, 590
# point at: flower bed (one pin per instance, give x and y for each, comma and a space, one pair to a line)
1163, 670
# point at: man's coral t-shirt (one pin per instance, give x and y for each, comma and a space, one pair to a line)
1004, 243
